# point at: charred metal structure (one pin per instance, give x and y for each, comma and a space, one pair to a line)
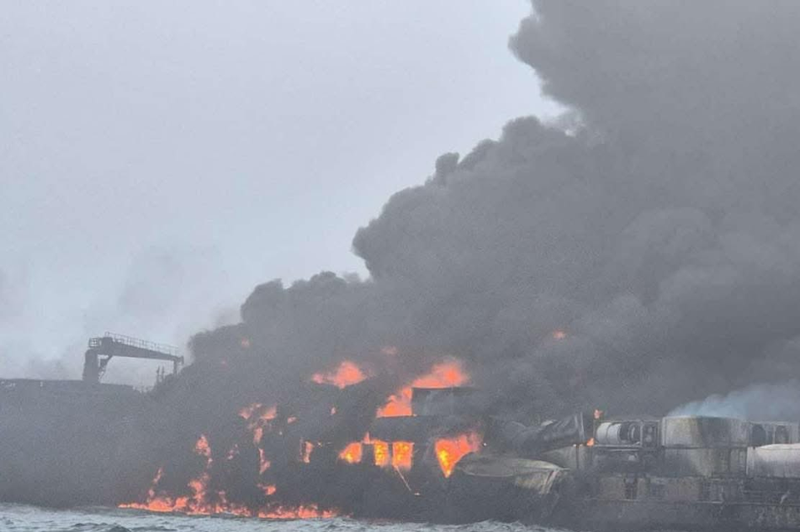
395, 470
684, 472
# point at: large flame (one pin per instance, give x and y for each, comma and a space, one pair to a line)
193, 504
345, 375
444, 375
201, 502
398, 454
203, 498
450, 450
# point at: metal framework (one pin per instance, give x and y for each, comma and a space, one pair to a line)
102, 349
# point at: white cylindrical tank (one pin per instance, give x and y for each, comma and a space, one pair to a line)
608, 434
777, 461
625, 433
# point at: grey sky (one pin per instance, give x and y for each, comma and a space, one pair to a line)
159, 159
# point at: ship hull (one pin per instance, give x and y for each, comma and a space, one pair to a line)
604, 515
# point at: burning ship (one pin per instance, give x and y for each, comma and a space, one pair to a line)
428, 452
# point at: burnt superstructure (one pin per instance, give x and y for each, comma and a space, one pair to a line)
687, 472
695, 472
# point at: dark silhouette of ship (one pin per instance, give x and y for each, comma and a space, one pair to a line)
67, 442
87, 442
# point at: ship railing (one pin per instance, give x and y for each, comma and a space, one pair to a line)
135, 342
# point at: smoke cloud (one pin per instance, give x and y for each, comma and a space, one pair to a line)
660, 233
162, 293
759, 402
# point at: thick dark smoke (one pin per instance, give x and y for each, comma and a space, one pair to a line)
660, 234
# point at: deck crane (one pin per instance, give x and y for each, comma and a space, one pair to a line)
102, 349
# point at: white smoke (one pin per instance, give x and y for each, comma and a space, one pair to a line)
757, 402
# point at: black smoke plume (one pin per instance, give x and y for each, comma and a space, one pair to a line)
644, 257
660, 233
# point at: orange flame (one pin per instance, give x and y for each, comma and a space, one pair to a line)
345, 375
397, 454
450, 450
198, 503
445, 375
258, 433
402, 454
305, 454
195, 503
257, 415
202, 448
268, 489
247, 411
263, 463
259, 418
301, 512
352, 453
381, 450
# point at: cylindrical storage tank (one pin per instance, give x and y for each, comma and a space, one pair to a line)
704, 432
776, 461
608, 434
627, 433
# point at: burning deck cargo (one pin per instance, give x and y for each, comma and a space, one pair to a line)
429, 450
685, 472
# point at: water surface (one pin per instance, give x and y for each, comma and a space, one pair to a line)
21, 518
